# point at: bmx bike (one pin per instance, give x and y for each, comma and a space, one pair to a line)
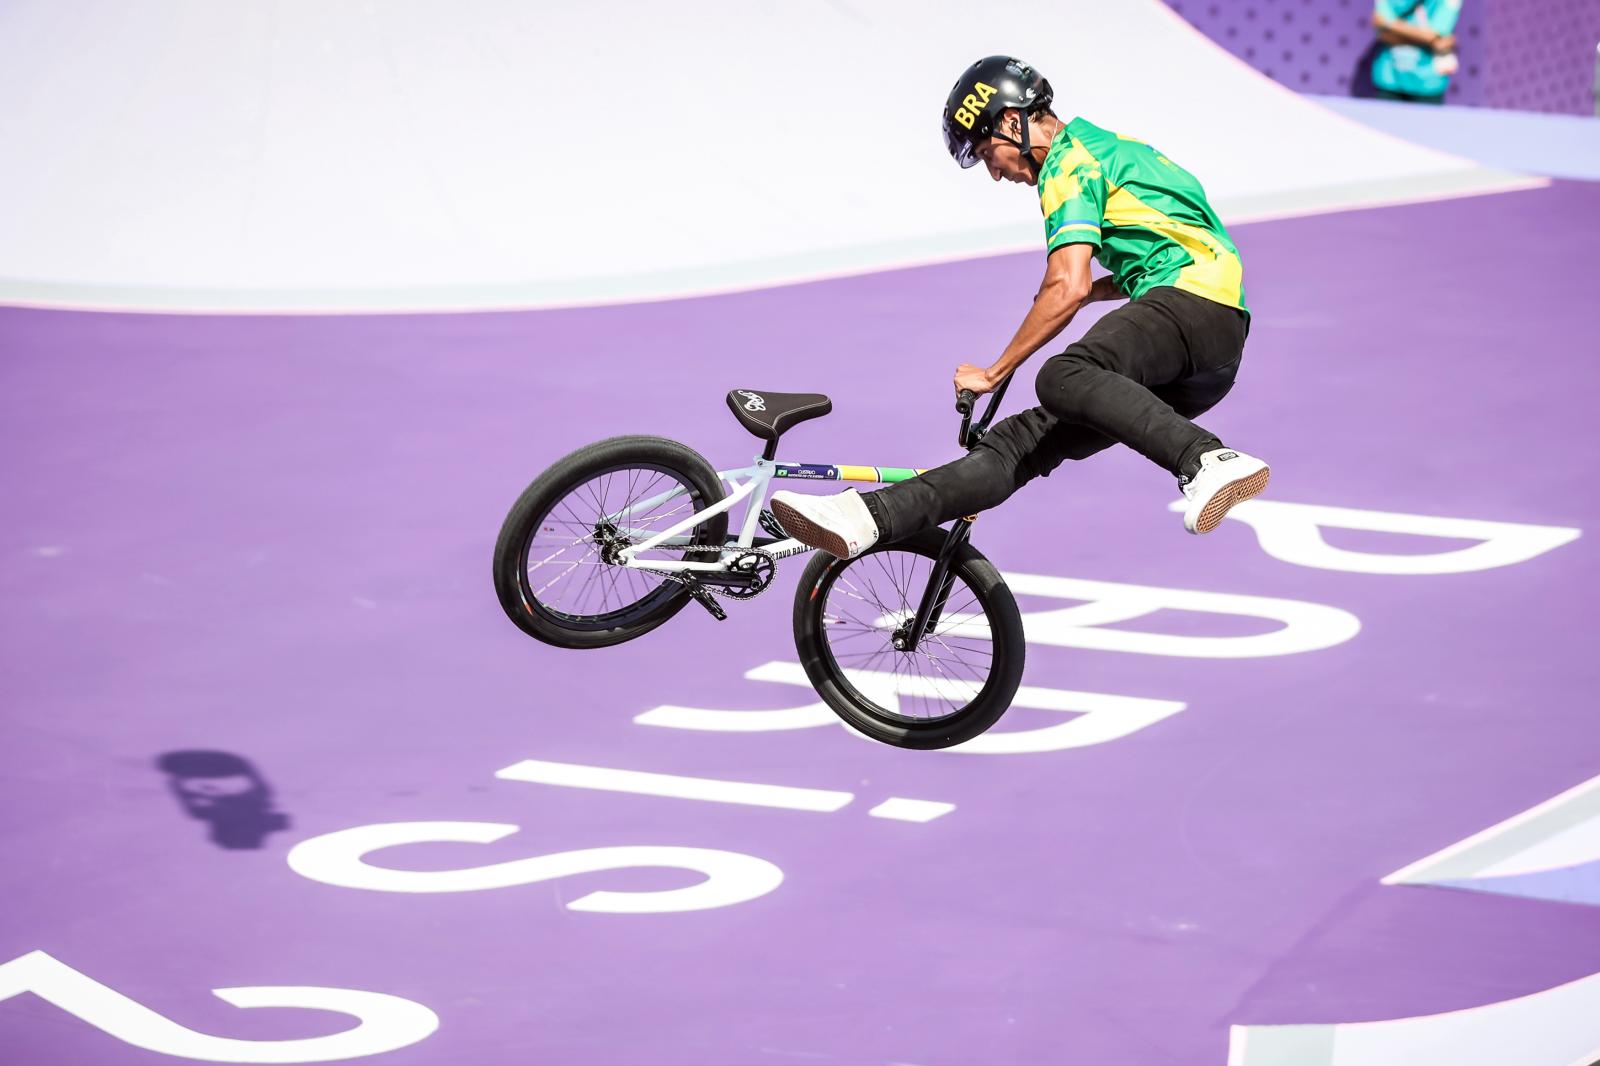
916, 643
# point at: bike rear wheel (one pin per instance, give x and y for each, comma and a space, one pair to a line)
953, 686
556, 567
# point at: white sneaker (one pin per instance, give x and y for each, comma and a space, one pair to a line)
1226, 477
839, 525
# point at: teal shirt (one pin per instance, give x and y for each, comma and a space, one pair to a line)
1407, 68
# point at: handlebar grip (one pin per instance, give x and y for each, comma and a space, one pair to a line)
964, 401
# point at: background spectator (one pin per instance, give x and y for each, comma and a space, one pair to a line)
1419, 53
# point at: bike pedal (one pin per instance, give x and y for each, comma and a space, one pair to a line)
709, 602
771, 525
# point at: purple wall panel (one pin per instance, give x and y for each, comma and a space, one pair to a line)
1320, 46
1535, 55
1541, 55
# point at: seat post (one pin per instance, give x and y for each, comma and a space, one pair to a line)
771, 451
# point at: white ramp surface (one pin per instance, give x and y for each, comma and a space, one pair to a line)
1556, 1027
356, 155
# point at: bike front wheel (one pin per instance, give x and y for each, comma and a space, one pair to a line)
953, 686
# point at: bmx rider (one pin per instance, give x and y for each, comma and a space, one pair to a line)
1136, 377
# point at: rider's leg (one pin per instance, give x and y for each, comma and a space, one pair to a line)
1111, 379
1148, 367
1138, 376
1017, 450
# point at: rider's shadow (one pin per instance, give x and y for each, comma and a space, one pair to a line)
225, 791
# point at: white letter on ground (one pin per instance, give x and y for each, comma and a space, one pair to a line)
338, 859
1306, 626
384, 1022
1292, 532
1098, 717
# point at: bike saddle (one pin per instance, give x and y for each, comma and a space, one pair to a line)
769, 414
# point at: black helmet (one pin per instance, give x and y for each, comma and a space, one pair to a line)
987, 89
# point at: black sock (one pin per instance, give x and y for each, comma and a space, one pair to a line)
875, 509
1189, 464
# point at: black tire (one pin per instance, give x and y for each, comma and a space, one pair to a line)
970, 696
556, 505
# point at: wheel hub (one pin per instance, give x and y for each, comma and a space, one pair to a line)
901, 639
610, 542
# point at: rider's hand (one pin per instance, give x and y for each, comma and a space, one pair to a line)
975, 378
1104, 289
1444, 44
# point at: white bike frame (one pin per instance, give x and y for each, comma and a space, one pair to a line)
750, 483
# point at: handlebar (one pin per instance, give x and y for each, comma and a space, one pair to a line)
966, 399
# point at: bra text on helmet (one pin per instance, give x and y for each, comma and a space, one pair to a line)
973, 103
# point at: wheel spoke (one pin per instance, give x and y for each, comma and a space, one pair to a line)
590, 589
945, 673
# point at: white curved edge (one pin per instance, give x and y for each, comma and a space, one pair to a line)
1558, 1026
1503, 841
725, 281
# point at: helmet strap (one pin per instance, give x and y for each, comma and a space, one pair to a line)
1025, 146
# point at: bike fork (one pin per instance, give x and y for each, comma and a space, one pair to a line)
937, 594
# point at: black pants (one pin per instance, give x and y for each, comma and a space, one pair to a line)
1136, 377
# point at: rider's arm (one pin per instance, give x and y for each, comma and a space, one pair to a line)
1400, 31
1065, 289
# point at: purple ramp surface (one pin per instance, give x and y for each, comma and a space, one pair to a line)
269, 539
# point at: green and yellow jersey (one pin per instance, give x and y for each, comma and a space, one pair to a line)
1147, 217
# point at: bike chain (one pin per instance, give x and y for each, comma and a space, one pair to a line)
747, 594
769, 523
